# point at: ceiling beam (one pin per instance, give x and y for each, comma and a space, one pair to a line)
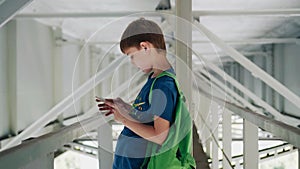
245, 12
196, 14
258, 41
93, 15
9, 8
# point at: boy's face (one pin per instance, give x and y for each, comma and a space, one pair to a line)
140, 58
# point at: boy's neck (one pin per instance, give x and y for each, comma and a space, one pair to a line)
156, 71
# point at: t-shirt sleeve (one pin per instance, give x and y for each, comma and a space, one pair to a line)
163, 102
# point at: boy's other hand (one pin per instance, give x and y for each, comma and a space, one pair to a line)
103, 107
118, 107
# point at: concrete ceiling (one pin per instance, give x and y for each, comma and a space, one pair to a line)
226, 27
249, 4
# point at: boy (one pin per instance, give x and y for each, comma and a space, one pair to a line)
144, 43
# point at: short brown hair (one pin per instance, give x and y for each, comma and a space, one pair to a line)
142, 30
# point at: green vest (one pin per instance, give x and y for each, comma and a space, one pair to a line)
179, 137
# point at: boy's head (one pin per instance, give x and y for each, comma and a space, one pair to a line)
142, 30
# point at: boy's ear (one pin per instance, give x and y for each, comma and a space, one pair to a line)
144, 45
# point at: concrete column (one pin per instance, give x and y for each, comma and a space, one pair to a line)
84, 75
205, 134
227, 139
269, 68
208, 147
214, 129
248, 82
105, 146
94, 61
231, 70
105, 139
298, 158
258, 84
183, 46
12, 76
279, 67
250, 132
58, 69
183, 51
237, 165
4, 110
119, 75
105, 85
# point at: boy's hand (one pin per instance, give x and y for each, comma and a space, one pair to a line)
104, 107
118, 107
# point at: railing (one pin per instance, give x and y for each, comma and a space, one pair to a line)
29, 151
83, 149
264, 154
282, 130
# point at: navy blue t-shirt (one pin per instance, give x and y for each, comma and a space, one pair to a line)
131, 148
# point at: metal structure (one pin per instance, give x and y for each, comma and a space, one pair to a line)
56, 132
265, 154
64, 104
47, 144
10, 8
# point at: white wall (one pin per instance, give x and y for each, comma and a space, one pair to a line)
27, 51
258, 83
69, 54
34, 71
25, 74
4, 116
291, 75
284, 66
278, 73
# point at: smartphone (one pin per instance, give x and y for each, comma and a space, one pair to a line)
101, 99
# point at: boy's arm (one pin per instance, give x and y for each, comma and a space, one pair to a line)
157, 133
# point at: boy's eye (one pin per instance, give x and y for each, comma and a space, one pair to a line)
131, 56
